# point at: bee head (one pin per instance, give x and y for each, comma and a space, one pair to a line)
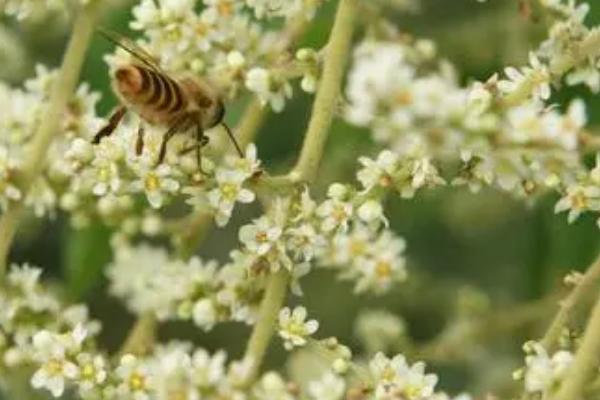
215, 113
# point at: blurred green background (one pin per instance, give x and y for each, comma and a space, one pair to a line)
513, 252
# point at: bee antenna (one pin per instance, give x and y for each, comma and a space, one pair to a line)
235, 143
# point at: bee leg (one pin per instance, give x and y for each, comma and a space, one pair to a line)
163, 146
112, 124
139, 143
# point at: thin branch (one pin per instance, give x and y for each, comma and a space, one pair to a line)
306, 169
569, 306
327, 96
586, 360
62, 90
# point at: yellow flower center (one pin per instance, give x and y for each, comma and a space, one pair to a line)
383, 269
151, 182
339, 213
412, 391
103, 174
579, 200
88, 371
357, 247
403, 98
225, 8
388, 374
137, 381
54, 367
229, 191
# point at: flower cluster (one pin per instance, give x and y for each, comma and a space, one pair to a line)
37, 329
23, 110
500, 133
174, 370
89, 181
544, 372
23, 9
227, 43
149, 281
347, 231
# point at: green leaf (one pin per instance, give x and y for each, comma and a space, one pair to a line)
86, 252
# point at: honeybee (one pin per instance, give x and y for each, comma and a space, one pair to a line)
181, 105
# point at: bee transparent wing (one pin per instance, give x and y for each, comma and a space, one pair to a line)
132, 48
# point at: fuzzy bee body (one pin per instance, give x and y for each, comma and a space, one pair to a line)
161, 100
181, 105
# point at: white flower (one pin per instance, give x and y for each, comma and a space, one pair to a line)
53, 352
204, 314
107, 178
260, 236
92, 372
578, 199
565, 129
207, 371
149, 281
329, 387
8, 166
304, 241
378, 172
293, 327
396, 379
384, 265
272, 387
372, 211
424, 173
534, 78
155, 182
135, 379
335, 212
269, 87
247, 165
542, 372
228, 191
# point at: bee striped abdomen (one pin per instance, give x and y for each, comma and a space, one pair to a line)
158, 97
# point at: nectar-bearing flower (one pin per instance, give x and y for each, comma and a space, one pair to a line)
293, 327
395, 378
229, 191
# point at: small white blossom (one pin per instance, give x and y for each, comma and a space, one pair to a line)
329, 387
155, 182
293, 327
269, 87
543, 372
54, 352
228, 192
396, 378
204, 314
135, 378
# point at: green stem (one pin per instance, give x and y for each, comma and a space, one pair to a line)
275, 294
141, 336
62, 89
586, 360
569, 306
328, 92
306, 170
